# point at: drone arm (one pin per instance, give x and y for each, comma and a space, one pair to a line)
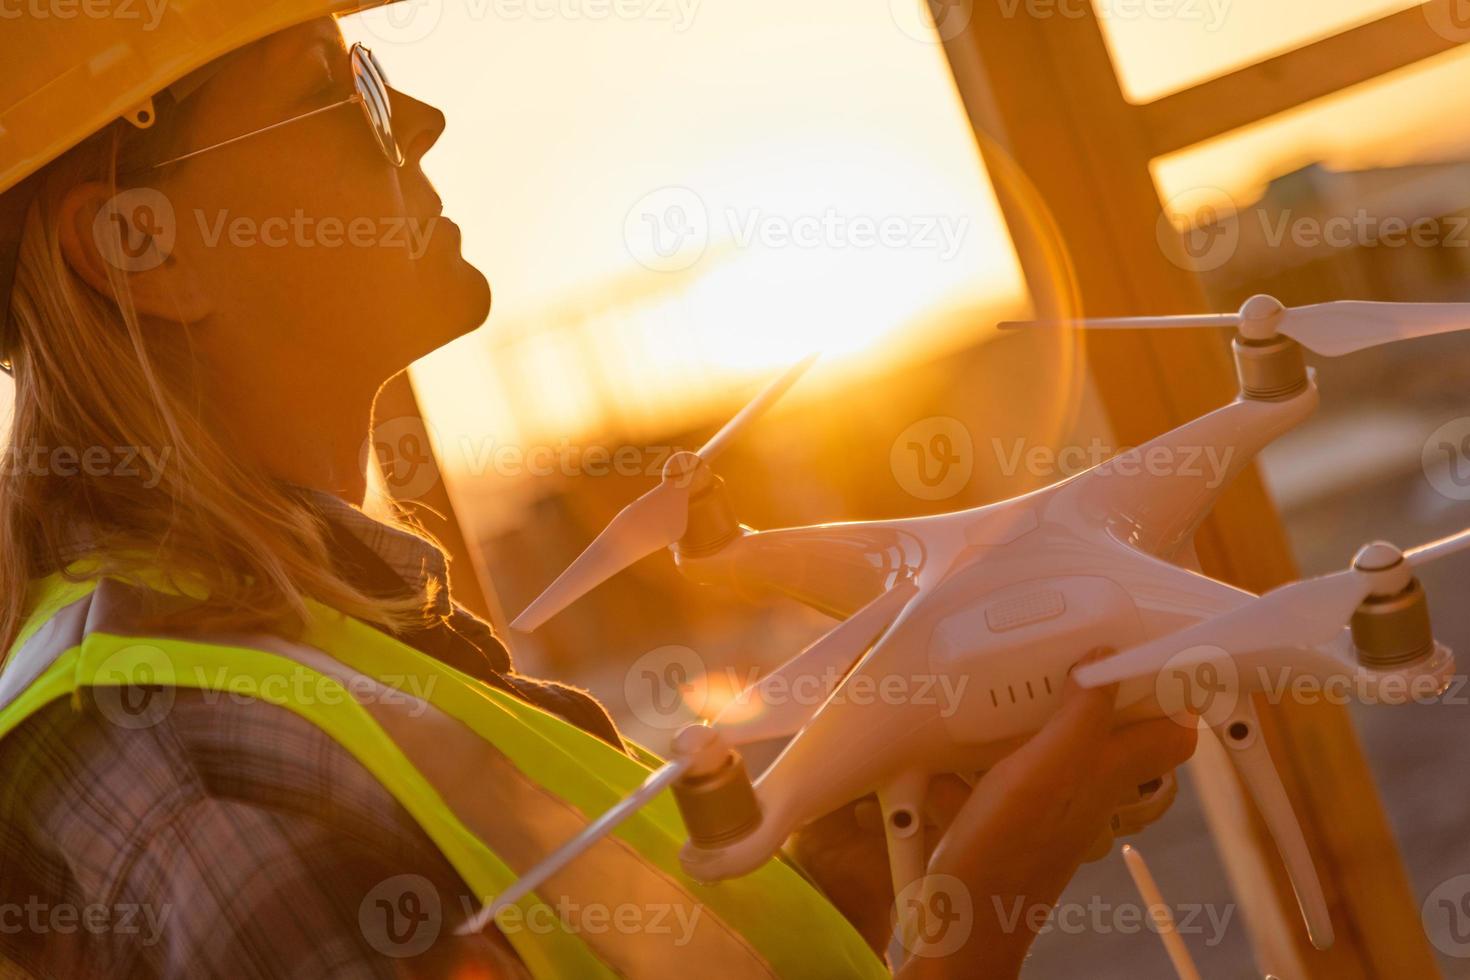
767, 709
1155, 496
835, 569
1246, 747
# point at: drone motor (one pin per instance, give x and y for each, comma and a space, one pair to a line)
712, 522
1391, 631
715, 797
1270, 369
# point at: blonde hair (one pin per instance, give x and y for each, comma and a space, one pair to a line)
89, 374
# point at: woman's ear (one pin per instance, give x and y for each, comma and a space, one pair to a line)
130, 234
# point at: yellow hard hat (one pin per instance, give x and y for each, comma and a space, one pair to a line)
69, 73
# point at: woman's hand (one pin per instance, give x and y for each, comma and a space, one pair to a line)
1015, 841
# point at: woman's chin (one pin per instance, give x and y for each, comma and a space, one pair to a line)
476, 299
447, 313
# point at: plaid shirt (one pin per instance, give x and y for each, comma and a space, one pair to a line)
235, 838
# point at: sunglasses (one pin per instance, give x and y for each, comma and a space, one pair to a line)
370, 92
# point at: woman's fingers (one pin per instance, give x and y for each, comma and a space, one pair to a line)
1144, 751
1131, 819
946, 798
1101, 847
1081, 723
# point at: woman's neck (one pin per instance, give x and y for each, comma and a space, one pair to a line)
312, 433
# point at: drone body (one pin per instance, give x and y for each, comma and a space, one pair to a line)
997, 605
1009, 597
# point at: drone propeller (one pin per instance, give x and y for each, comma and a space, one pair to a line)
1329, 329
766, 710
655, 520
1304, 614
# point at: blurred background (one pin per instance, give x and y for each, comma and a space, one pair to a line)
674, 205
675, 202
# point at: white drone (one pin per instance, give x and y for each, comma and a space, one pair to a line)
1004, 600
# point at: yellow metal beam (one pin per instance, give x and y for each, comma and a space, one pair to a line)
1055, 127
1297, 77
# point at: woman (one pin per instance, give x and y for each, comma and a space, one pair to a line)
244, 727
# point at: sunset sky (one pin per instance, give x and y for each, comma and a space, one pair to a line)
824, 159
774, 112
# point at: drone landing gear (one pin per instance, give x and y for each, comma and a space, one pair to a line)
1241, 736
902, 803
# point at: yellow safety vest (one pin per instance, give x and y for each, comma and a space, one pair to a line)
496, 783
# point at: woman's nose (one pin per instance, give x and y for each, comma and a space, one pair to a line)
417, 125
